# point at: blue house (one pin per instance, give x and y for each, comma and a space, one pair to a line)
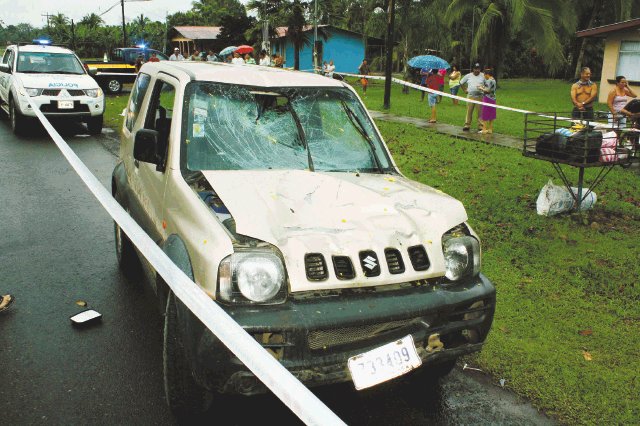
346, 48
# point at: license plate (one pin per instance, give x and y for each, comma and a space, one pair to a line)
65, 104
384, 363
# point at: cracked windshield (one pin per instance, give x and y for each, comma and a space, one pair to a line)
49, 63
243, 128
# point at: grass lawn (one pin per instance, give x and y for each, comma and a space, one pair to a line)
531, 95
567, 326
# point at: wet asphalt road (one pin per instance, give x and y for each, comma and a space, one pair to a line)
56, 247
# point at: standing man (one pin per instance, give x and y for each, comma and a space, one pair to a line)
473, 81
583, 93
364, 70
176, 55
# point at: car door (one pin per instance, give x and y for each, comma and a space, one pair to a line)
5, 77
148, 180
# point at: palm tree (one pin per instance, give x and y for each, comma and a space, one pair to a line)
296, 23
499, 21
91, 21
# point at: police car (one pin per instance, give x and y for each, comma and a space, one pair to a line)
55, 80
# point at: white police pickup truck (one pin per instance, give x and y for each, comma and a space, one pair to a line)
55, 80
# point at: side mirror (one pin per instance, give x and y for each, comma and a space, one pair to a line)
145, 147
5, 68
93, 72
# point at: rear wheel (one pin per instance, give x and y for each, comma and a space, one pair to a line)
94, 124
18, 121
114, 86
185, 397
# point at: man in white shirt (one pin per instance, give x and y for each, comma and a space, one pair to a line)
473, 81
237, 59
330, 69
176, 55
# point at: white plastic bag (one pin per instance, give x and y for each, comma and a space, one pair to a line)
554, 199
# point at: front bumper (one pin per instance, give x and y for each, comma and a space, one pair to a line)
314, 337
83, 106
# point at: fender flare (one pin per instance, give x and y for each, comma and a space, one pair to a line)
191, 328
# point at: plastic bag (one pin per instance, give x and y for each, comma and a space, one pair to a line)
554, 199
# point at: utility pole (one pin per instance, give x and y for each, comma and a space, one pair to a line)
124, 28
166, 30
315, 36
73, 36
389, 45
47, 16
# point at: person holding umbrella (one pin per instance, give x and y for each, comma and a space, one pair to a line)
474, 80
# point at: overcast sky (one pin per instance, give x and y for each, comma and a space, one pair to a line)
13, 12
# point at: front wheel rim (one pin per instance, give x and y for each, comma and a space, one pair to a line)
114, 86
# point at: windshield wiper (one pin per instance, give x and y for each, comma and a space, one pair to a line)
302, 136
363, 132
65, 72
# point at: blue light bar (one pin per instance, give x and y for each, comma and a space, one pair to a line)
141, 46
41, 41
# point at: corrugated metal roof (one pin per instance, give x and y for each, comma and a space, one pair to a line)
606, 29
199, 33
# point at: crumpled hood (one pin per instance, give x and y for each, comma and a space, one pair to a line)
57, 81
342, 214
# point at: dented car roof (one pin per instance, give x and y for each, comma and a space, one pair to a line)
249, 75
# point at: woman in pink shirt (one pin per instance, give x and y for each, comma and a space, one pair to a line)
618, 98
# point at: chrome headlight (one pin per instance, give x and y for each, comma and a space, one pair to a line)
252, 276
461, 257
33, 92
94, 93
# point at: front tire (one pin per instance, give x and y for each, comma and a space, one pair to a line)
125, 251
17, 120
114, 86
186, 399
94, 124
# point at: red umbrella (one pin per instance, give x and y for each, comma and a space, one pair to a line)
244, 49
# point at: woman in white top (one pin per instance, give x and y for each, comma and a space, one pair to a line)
265, 61
618, 98
237, 59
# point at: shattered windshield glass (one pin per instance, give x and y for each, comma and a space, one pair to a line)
244, 128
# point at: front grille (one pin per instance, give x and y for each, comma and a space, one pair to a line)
315, 267
394, 261
370, 263
326, 339
419, 258
343, 267
53, 107
56, 92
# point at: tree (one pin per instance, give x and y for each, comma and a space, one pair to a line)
213, 11
235, 29
499, 21
91, 21
296, 24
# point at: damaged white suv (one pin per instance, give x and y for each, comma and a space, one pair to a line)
275, 192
